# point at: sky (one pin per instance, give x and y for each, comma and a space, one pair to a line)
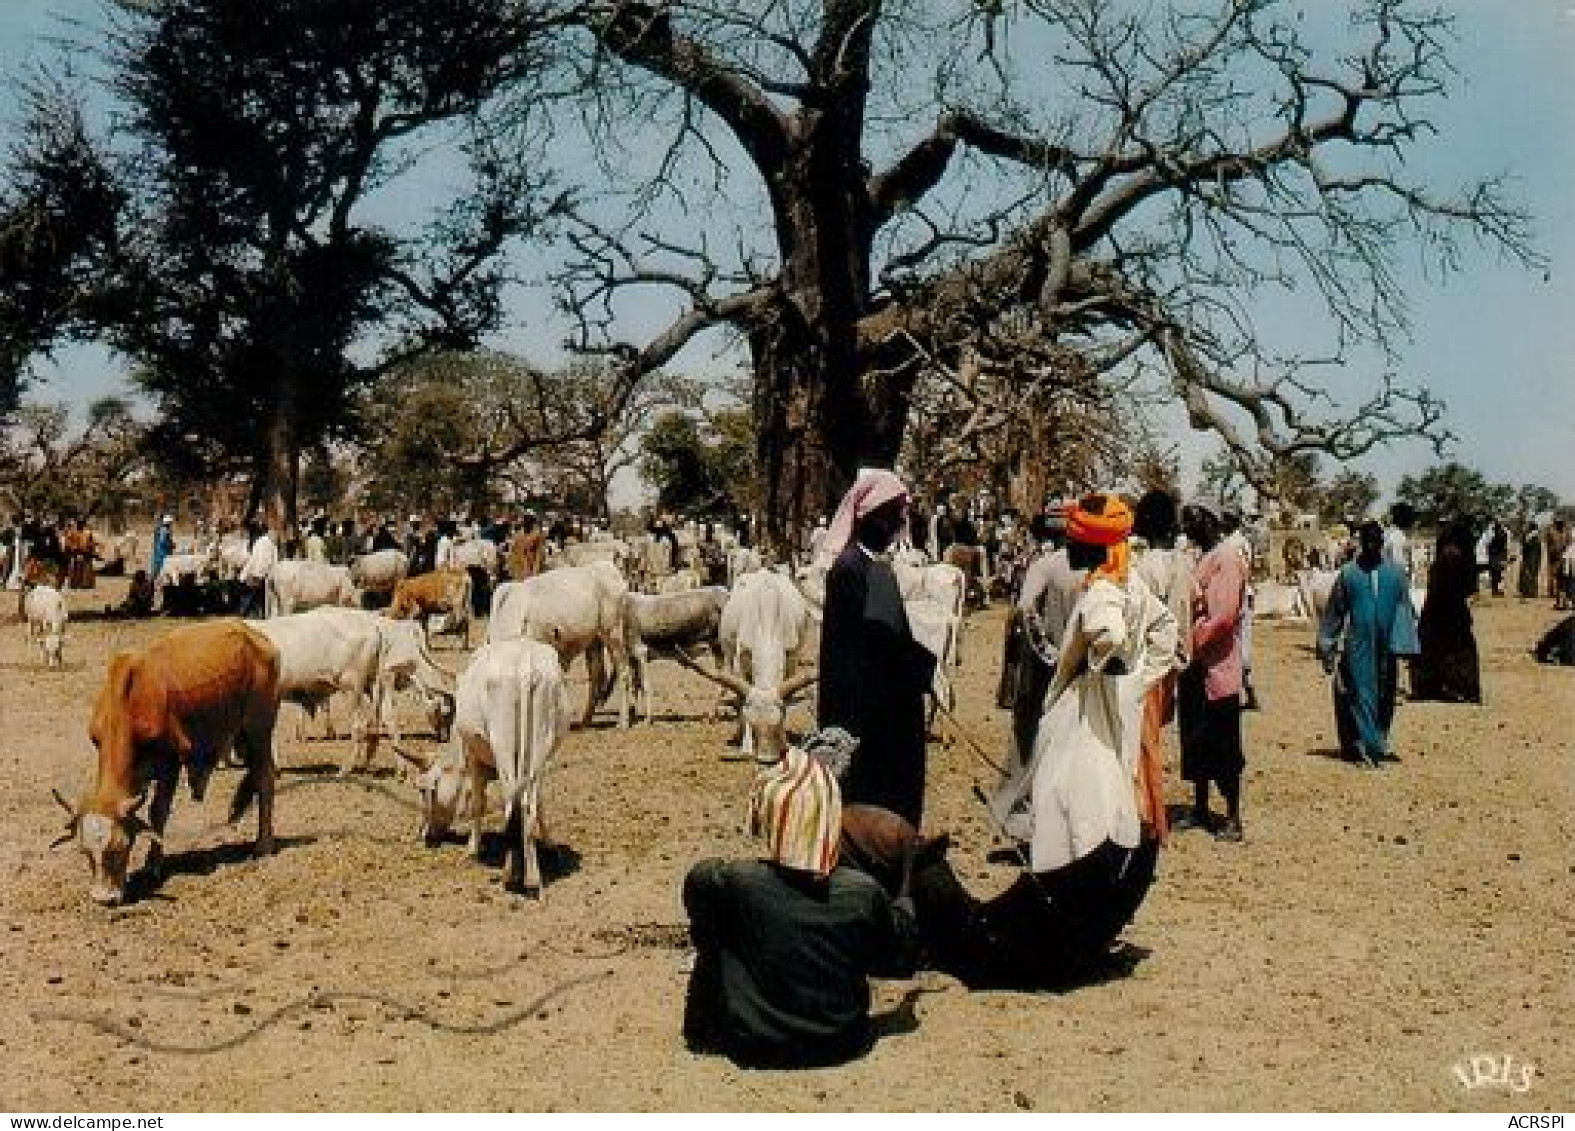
1495, 342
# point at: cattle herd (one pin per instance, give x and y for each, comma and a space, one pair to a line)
210, 692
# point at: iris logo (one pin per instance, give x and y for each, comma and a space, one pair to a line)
1484, 1070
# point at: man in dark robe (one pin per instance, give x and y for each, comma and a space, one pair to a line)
1448, 668
873, 674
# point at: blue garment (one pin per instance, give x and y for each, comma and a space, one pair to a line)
163, 544
1370, 621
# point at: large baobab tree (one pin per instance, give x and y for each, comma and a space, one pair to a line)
923, 179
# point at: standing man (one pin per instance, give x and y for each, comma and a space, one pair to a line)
1051, 588
1208, 694
163, 547
1367, 626
1556, 540
873, 674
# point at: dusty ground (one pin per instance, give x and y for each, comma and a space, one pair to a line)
1376, 930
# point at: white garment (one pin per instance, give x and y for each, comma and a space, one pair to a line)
316, 548
1080, 786
443, 556
263, 557
1397, 550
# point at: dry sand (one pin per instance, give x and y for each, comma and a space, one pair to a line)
1376, 930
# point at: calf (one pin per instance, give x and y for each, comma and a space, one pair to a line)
663, 622
512, 710
444, 591
185, 701
45, 609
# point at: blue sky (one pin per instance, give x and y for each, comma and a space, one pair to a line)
1496, 342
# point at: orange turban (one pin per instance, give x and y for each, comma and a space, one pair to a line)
1103, 520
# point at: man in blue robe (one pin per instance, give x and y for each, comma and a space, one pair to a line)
1368, 624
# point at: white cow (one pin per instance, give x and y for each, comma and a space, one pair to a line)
45, 609
511, 713
576, 609
231, 555
367, 656
667, 621
295, 585
481, 553
1274, 600
742, 560
766, 626
611, 550
379, 571
178, 567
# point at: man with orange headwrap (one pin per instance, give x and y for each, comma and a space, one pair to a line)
1078, 793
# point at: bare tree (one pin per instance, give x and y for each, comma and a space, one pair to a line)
1115, 180
47, 465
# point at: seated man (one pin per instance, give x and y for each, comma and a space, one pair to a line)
785, 945
139, 597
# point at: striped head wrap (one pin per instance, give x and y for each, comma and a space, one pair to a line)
796, 807
1104, 519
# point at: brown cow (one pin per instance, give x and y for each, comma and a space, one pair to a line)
445, 591
184, 701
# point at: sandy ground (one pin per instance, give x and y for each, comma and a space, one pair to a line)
1376, 930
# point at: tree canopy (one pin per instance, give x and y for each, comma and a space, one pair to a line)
1089, 200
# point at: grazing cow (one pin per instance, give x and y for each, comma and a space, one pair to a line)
379, 571
185, 701
665, 621
444, 592
576, 609
1272, 600
512, 710
766, 626
45, 609
295, 586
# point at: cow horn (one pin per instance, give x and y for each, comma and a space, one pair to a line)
726, 679
420, 761
796, 683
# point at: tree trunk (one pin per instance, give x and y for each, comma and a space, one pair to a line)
279, 470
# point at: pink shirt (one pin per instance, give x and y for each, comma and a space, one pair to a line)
1220, 588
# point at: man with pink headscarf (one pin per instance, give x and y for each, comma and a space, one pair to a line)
873, 674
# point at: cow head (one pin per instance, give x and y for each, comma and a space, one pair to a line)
444, 788
106, 835
763, 710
